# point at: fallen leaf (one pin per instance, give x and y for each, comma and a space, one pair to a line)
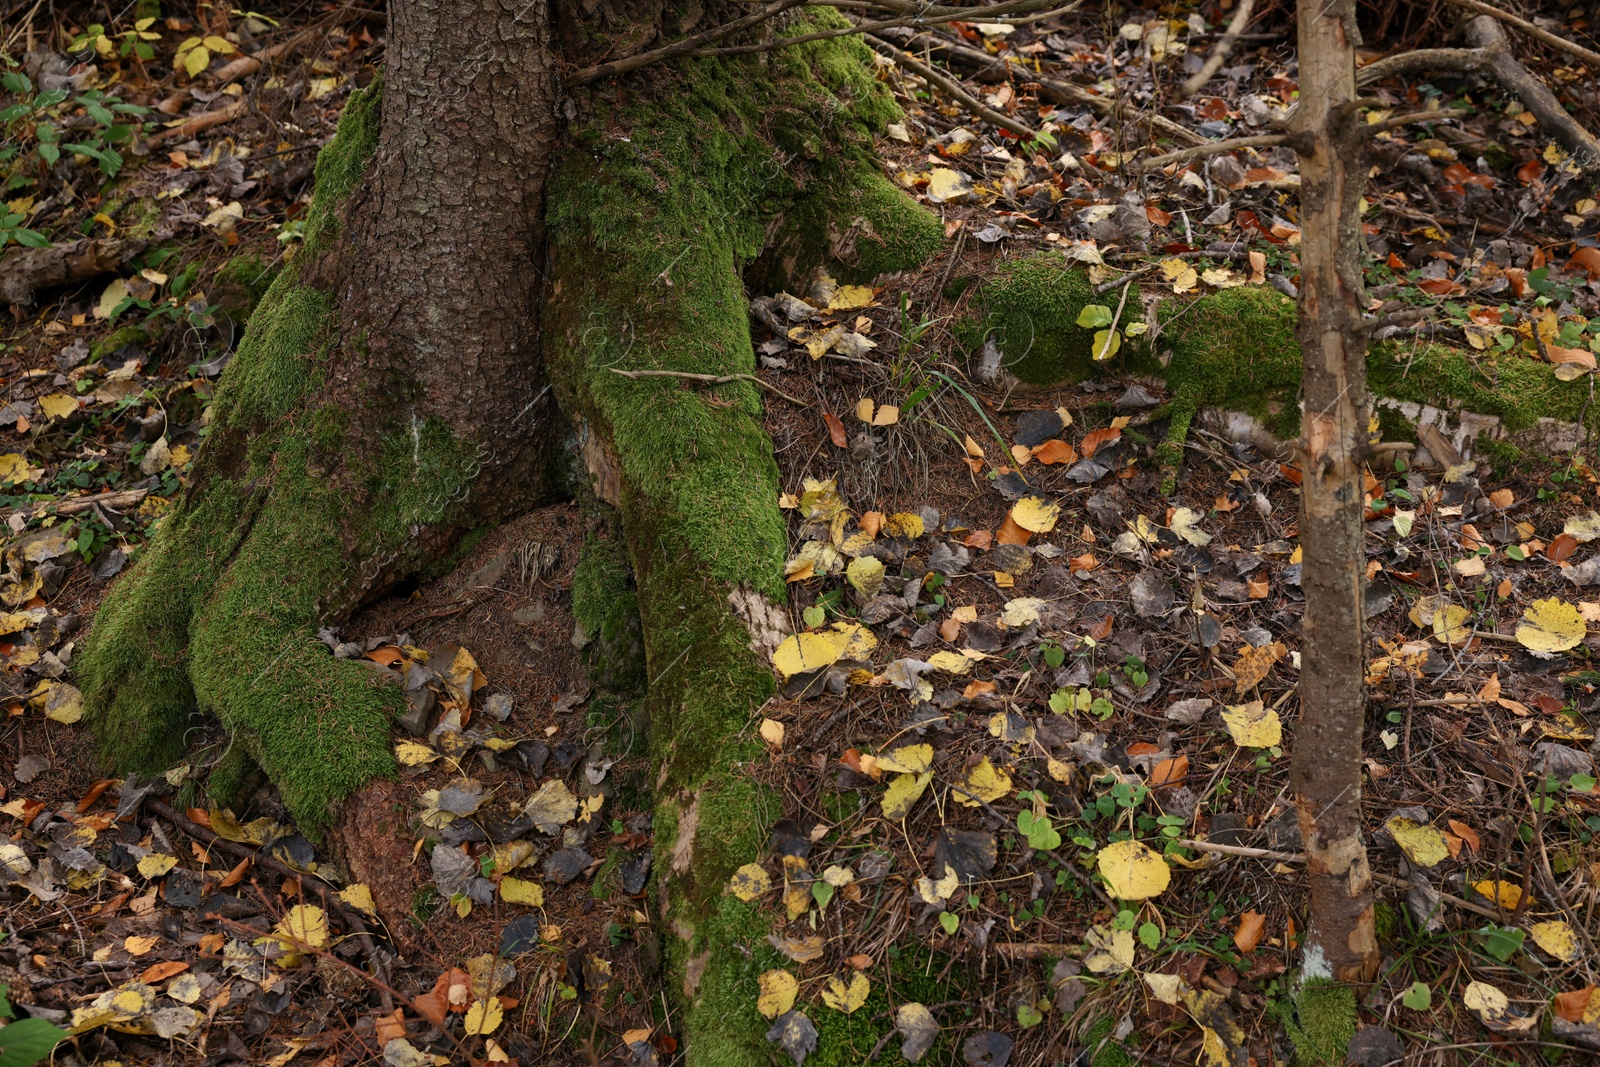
1551, 625
1248, 933
749, 882
778, 989
1132, 870
1422, 844
983, 782
836, 432
902, 793
1507, 894
1035, 514
1253, 725
1556, 938
484, 1017
804, 652
1254, 664
846, 996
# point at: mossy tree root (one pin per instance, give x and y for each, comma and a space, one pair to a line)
647, 253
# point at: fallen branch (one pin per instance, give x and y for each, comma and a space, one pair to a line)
950, 88
1214, 62
1299, 857
1531, 30
708, 379
678, 48
24, 271
1058, 92
118, 499
245, 66
918, 20
1211, 148
203, 121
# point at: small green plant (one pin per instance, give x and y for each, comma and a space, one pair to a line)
120, 44
1041, 835
24, 1042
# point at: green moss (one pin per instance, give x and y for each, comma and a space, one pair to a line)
1325, 1021
605, 605
341, 165
1029, 310
1109, 1052
219, 612
241, 283
918, 974
123, 335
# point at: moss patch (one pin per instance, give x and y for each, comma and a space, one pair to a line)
1324, 1023
219, 612
1029, 310
605, 604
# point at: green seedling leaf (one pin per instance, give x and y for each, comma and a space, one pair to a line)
1094, 316
948, 920
1501, 942
815, 616
1419, 997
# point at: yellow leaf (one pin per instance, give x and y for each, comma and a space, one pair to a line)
58, 405
1167, 988
112, 295
888, 415
60, 702
853, 640
1111, 951
1022, 611
778, 989
156, 864
908, 759
804, 652
1186, 524
1133, 870
1507, 894
866, 574
414, 754
946, 184
1486, 1000
1552, 625
850, 297
198, 59
1583, 527
903, 792
749, 882
138, 946
1035, 514
846, 996
1447, 620
772, 732
522, 891
1253, 725
14, 468
1422, 844
954, 662
304, 927
359, 896
904, 524
483, 1017
985, 783
1557, 939
937, 892
220, 45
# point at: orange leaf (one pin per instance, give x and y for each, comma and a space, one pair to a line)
1248, 935
977, 688
1010, 533
1571, 1005
1096, 438
95, 792
852, 759
950, 629
979, 539
1254, 664
1561, 548
1291, 473
1085, 562
1502, 498
860, 961
1531, 171
160, 972
200, 817
1156, 216
235, 876
1143, 748
1258, 587
836, 432
1169, 771
388, 655
1467, 834
871, 523
212, 942
1589, 260
1102, 629
392, 1026
1055, 451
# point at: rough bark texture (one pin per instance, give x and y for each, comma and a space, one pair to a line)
385, 400
1341, 943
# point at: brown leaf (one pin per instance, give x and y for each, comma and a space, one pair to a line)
1102, 629
1248, 935
979, 539
860, 961
392, 1026
1254, 664
160, 972
1169, 771
1085, 562
1561, 548
950, 629
1095, 438
1571, 1005
836, 432
1055, 451
976, 688
1467, 834
871, 523
1010, 533
200, 817
235, 876
95, 792
1258, 587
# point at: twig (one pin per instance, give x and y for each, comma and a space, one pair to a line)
1210, 148
950, 88
919, 20
119, 499
1531, 30
709, 379
1432, 114
245, 66
678, 48
203, 121
1214, 62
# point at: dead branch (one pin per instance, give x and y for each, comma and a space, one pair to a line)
1058, 92
25, 271
1573, 47
1241, 18
203, 121
1213, 148
920, 20
119, 499
245, 66
950, 88
708, 379
679, 48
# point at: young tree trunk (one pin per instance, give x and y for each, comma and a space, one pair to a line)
1341, 943
397, 387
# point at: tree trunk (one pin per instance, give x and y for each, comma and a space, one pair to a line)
391, 393
1341, 943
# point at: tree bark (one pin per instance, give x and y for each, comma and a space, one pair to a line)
1341, 943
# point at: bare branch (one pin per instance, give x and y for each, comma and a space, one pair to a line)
1432, 114
920, 21
1211, 148
1241, 18
950, 88
679, 48
1452, 60
1573, 47
708, 379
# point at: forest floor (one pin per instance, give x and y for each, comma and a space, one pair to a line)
1036, 670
